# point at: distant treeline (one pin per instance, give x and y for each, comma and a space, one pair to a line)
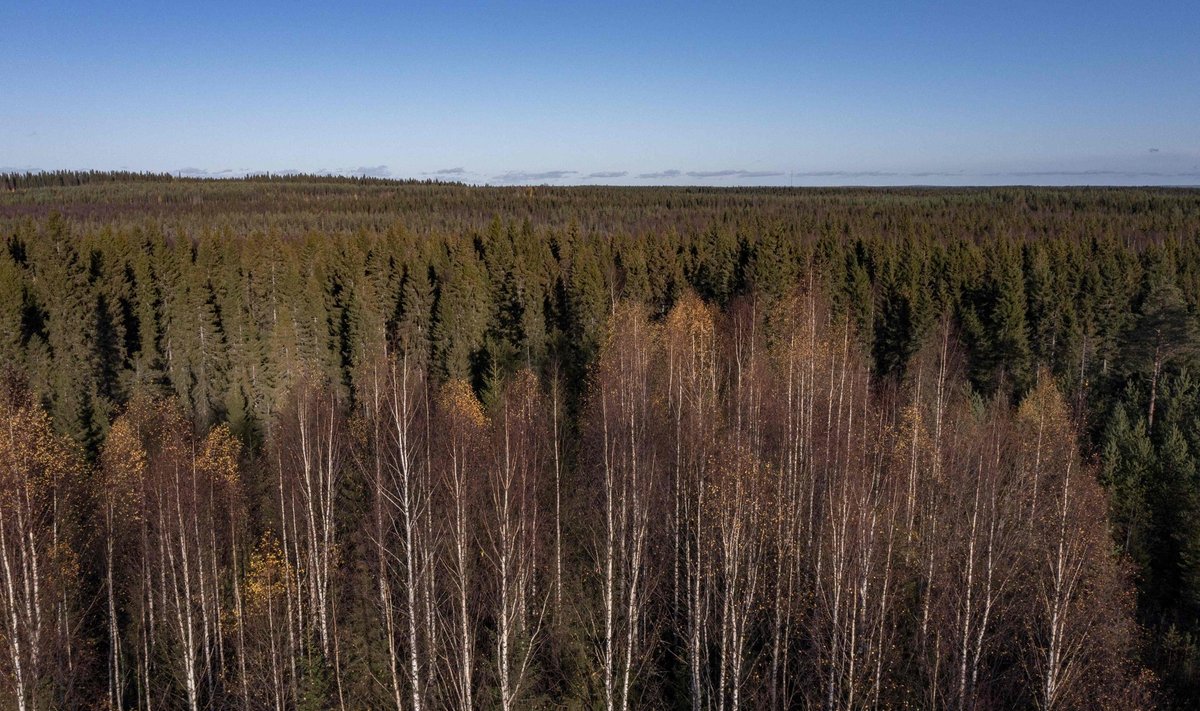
72, 178
296, 206
242, 305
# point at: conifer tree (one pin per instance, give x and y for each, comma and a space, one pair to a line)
66, 300
588, 303
1009, 338
12, 299
460, 313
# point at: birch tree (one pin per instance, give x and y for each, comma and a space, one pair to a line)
121, 481
459, 465
690, 344
626, 461
514, 527
1078, 626
310, 451
39, 570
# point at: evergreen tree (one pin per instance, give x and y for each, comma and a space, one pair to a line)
1128, 458
462, 306
1165, 335
588, 304
12, 301
715, 264
70, 368
1009, 332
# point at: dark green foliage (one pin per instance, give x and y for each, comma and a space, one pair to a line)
223, 293
994, 320
588, 300
461, 310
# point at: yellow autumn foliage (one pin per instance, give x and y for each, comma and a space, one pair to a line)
691, 322
122, 467
219, 455
34, 461
266, 575
458, 403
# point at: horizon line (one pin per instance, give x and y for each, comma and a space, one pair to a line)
447, 177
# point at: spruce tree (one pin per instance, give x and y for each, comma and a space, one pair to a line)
1009, 337
460, 314
12, 300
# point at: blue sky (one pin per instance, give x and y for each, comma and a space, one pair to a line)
636, 93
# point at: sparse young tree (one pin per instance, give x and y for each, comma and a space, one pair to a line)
623, 451
459, 466
515, 523
310, 449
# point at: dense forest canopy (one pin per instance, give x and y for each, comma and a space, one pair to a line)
313, 442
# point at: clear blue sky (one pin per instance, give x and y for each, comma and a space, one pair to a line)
641, 92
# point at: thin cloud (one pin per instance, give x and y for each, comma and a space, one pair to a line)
733, 174
844, 174
1183, 174
1015, 174
1094, 174
661, 174
518, 176
372, 171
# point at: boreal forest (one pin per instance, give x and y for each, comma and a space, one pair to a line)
301, 442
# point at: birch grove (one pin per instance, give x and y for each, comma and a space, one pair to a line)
626, 468
737, 514
38, 567
310, 462
459, 461
516, 526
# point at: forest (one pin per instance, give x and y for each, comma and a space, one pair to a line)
307, 442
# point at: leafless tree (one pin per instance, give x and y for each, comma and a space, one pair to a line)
514, 525
625, 457
311, 447
459, 464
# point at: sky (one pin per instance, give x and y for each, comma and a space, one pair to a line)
639, 93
